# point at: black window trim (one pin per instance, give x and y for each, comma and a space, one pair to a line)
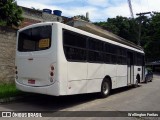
102, 52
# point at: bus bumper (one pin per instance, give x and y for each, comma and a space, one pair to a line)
49, 90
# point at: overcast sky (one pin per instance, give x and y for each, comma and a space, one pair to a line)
99, 10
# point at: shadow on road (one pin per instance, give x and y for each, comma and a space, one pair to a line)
38, 102
123, 89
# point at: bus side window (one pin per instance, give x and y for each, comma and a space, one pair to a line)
113, 59
107, 58
74, 46
95, 57
106, 47
121, 56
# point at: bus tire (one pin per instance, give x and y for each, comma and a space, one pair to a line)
105, 88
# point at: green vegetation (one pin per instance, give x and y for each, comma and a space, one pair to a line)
2, 23
9, 90
128, 28
10, 13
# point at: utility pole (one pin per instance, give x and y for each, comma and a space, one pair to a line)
140, 24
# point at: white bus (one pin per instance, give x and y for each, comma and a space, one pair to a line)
56, 59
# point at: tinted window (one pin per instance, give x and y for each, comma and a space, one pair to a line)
135, 58
95, 44
35, 39
107, 58
107, 47
139, 59
75, 54
122, 56
78, 47
121, 51
74, 39
74, 46
113, 59
122, 60
113, 49
95, 56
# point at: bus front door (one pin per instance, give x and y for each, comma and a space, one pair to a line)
130, 68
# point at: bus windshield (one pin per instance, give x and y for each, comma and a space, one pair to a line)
35, 39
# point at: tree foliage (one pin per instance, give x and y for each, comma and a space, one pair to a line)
129, 29
121, 26
10, 13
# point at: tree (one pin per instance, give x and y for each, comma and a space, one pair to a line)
152, 47
10, 13
121, 26
129, 29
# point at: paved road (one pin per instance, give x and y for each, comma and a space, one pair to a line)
144, 98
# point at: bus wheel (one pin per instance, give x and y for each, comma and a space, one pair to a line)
105, 88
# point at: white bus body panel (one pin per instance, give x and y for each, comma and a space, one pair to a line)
95, 77
121, 76
77, 75
111, 70
77, 71
88, 77
62, 64
70, 77
38, 69
47, 90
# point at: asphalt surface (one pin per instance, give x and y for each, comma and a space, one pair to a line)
146, 97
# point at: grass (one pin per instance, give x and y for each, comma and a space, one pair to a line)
9, 90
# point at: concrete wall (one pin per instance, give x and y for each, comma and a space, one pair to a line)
7, 54
40, 15
32, 16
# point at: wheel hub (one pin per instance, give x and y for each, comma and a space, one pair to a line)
105, 88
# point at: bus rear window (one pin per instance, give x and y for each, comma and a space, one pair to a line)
35, 39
